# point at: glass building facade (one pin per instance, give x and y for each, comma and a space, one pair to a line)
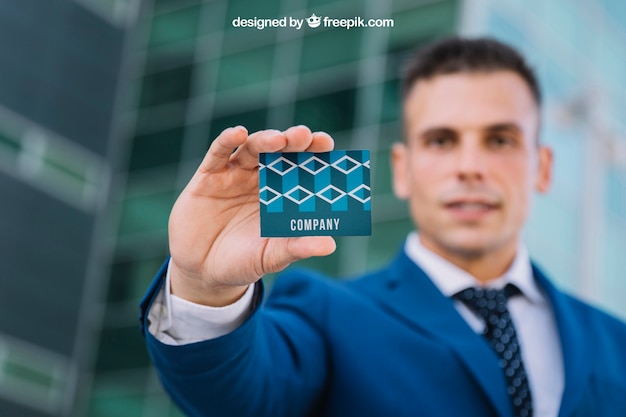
60, 72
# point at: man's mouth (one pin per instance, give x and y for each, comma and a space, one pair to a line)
470, 206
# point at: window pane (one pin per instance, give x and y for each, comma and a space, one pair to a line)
160, 6
329, 48
130, 278
253, 121
121, 348
116, 404
175, 412
330, 112
9, 145
156, 149
146, 213
248, 9
165, 87
246, 68
175, 26
391, 101
386, 239
381, 181
423, 23
31, 375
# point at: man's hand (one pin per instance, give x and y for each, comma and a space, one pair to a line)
214, 227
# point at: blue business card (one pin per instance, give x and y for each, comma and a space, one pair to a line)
315, 194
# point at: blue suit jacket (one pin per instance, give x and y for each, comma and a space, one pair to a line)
386, 344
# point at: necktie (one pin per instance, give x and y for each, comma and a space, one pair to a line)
490, 305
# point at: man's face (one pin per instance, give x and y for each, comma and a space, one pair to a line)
470, 161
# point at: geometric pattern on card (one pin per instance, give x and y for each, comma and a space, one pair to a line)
309, 179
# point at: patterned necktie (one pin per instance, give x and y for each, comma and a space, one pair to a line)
490, 305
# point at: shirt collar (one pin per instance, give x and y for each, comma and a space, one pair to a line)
451, 279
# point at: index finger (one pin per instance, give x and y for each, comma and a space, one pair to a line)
222, 148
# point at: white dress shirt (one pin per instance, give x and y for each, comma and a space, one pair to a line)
176, 321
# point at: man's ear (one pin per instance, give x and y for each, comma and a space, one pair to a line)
544, 167
399, 164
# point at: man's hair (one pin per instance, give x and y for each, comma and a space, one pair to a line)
458, 55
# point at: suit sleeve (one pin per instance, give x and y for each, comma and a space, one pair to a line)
274, 364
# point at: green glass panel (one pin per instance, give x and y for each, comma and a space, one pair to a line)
142, 274
130, 278
213, 17
116, 405
21, 372
206, 79
386, 240
170, 55
73, 173
63, 175
116, 10
121, 273
248, 9
391, 109
329, 48
9, 144
175, 412
422, 24
67, 165
342, 140
381, 181
175, 26
281, 116
167, 86
330, 112
246, 68
240, 39
156, 149
162, 6
121, 348
253, 121
317, 3
146, 213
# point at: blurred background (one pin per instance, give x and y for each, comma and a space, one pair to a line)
107, 107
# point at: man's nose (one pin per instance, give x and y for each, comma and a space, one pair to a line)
471, 161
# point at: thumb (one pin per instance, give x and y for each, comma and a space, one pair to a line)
287, 251
307, 246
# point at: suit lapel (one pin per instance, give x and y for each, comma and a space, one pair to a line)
575, 345
409, 294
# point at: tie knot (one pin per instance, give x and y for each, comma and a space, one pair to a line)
487, 301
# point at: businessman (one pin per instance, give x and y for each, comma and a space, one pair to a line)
460, 323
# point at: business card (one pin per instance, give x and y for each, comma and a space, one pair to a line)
315, 194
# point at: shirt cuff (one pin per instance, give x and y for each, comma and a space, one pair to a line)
176, 321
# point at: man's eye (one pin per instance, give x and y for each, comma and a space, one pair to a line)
499, 141
439, 141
